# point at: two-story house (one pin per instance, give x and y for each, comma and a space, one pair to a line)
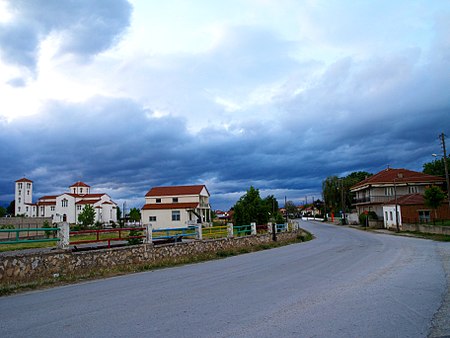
373, 192
176, 206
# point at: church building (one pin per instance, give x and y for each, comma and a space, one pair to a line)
66, 206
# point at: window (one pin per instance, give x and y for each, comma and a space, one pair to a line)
390, 214
152, 218
18, 209
175, 200
413, 190
424, 216
175, 215
81, 190
79, 207
20, 185
26, 209
386, 215
64, 203
389, 191
20, 192
28, 192
158, 200
19, 199
28, 185
52, 208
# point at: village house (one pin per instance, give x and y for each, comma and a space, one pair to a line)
176, 206
66, 206
382, 188
411, 209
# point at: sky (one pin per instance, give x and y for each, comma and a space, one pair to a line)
275, 94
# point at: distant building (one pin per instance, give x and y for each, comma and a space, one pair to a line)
377, 190
64, 207
176, 206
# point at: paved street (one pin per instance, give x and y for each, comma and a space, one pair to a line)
345, 283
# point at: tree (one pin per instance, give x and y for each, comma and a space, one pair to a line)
436, 167
251, 208
433, 198
291, 208
11, 209
2, 212
135, 215
330, 192
336, 190
87, 215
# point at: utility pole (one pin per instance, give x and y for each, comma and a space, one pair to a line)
442, 137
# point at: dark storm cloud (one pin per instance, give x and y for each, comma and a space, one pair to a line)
85, 27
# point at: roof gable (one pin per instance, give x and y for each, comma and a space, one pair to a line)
176, 191
23, 179
79, 184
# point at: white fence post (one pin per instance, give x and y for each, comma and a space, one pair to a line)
253, 227
269, 227
199, 232
64, 235
148, 233
230, 230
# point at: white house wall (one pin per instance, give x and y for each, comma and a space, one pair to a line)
389, 216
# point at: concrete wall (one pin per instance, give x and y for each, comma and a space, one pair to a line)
431, 229
21, 268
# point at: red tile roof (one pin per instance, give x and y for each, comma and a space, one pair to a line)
49, 197
165, 206
387, 176
46, 203
176, 190
413, 199
80, 184
24, 180
87, 201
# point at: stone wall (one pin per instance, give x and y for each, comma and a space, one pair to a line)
22, 268
430, 229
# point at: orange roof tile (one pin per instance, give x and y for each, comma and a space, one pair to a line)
24, 180
87, 201
387, 176
165, 206
80, 184
176, 190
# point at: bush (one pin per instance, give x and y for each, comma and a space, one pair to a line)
47, 226
371, 215
134, 241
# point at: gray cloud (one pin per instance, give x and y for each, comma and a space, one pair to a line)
357, 113
86, 27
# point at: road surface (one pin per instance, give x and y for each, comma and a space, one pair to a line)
345, 283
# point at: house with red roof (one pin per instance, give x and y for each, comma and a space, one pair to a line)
176, 206
66, 206
411, 209
389, 185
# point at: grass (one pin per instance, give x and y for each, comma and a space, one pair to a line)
7, 289
434, 237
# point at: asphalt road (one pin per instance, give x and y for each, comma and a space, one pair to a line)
345, 283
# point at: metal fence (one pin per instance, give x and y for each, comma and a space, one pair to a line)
65, 238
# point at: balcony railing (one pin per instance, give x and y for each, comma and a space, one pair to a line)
374, 199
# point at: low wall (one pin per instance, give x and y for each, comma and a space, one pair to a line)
22, 268
430, 229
